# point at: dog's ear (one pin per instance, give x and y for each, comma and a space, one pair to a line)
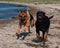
28, 14
51, 17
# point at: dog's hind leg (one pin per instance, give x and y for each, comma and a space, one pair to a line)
32, 22
29, 29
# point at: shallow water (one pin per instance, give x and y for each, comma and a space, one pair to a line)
7, 11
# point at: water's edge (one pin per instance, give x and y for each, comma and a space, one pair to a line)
8, 10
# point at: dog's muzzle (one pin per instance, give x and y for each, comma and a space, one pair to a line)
22, 20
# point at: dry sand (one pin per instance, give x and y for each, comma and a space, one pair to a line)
8, 30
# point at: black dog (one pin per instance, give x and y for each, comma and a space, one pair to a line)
42, 24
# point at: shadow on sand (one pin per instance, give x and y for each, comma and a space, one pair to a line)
24, 34
39, 43
37, 40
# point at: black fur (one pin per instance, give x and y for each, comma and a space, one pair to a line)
42, 23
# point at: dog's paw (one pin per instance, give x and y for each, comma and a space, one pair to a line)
17, 36
22, 38
45, 40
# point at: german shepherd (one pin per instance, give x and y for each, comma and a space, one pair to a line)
25, 19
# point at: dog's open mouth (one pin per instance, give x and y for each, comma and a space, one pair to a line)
22, 20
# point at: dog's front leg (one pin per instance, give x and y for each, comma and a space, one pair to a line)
45, 36
26, 28
18, 33
37, 33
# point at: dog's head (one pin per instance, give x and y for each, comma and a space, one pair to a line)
22, 15
40, 15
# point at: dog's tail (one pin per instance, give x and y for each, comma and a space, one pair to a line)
51, 17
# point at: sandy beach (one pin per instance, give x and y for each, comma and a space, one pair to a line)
8, 30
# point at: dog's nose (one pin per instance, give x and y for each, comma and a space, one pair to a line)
40, 17
23, 19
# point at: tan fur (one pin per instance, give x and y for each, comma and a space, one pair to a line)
27, 23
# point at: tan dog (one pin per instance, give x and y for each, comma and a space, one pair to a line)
25, 19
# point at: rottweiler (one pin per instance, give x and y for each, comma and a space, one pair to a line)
25, 19
42, 24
